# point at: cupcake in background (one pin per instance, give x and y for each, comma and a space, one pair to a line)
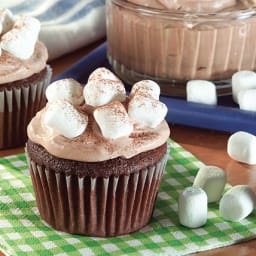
97, 156
24, 76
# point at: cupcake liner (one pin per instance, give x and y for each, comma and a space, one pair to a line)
17, 107
101, 206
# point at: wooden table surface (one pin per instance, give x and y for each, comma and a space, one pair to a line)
207, 145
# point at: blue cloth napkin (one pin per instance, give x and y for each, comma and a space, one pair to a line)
66, 25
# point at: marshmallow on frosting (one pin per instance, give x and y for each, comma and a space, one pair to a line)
105, 93
146, 110
103, 88
113, 120
6, 20
103, 74
147, 87
66, 89
21, 38
62, 117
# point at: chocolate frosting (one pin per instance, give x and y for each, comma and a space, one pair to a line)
91, 146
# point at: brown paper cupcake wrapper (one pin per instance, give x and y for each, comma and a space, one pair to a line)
17, 107
96, 206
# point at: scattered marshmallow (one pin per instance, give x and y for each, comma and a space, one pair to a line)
21, 39
6, 20
247, 99
66, 89
103, 74
113, 120
101, 92
146, 110
201, 91
212, 180
192, 207
147, 87
241, 147
62, 117
237, 203
242, 80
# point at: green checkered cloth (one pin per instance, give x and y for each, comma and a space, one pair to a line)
22, 232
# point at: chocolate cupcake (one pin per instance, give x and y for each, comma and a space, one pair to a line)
96, 166
24, 76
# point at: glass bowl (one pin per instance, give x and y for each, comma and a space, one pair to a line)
172, 47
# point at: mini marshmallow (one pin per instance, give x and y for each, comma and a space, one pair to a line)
63, 118
241, 147
66, 89
147, 87
237, 203
146, 110
103, 74
247, 99
242, 80
212, 180
6, 20
113, 120
21, 39
201, 91
192, 207
101, 92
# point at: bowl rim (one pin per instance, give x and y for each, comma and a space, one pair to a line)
174, 14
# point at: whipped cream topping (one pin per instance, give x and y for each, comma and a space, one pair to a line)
194, 5
103, 132
21, 54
